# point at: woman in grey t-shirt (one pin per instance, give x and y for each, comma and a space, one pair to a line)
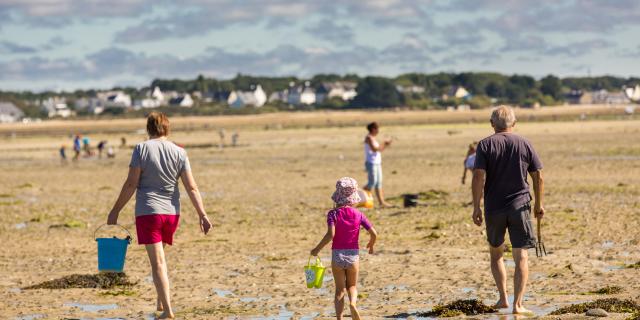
156, 166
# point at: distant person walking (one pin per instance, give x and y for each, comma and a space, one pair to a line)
101, 146
156, 165
77, 148
373, 162
63, 154
501, 166
469, 160
123, 142
86, 144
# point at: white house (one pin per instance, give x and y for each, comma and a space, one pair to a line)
92, 105
633, 93
156, 94
184, 100
459, 92
344, 90
9, 112
56, 107
301, 95
410, 89
255, 97
146, 103
114, 99
606, 97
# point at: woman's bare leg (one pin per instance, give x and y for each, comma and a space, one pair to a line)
160, 277
158, 302
339, 277
352, 280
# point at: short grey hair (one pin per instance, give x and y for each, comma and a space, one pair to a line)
503, 118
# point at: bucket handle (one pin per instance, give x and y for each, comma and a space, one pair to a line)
318, 262
121, 227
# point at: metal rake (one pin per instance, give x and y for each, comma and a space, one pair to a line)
541, 251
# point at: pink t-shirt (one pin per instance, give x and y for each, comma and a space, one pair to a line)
347, 221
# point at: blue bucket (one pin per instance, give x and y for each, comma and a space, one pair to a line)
112, 252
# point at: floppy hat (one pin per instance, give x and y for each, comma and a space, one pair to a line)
346, 192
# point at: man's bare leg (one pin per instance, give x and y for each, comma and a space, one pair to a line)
520, 257
499, 273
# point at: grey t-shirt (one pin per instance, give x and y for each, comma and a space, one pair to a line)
161, 162
507, 158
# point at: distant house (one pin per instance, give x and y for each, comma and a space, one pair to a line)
56, 107
457, 92
633, 93
579, 97
146, 103
606, 97
216, 96
344, 90
152, 99
410, 89
156, 94
255, 97
91, 105
114, 99
299, 95
281, 95
184, 100
9, 112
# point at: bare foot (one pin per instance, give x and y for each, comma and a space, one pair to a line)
159, 306
166, 315
502, 304
386, 205
521, 310
355, 315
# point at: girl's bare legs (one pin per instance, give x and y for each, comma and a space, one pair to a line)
160, 277
352, 280
340, 279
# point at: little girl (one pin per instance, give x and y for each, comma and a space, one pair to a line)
469, 160
343, 227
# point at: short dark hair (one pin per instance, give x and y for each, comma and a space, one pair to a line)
372, 125
157, 124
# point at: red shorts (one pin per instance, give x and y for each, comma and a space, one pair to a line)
156, 228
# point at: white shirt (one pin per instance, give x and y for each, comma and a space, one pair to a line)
371, 156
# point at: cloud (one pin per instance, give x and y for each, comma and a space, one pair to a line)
537, 45
218, 62
8, 47
331, 31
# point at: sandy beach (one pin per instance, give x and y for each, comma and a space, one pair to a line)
268, 198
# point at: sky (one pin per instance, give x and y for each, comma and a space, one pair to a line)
82, 44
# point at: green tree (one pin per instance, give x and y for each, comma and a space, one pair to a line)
377, 92
552, 86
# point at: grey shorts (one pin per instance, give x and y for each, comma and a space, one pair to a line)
344, 258
517, 222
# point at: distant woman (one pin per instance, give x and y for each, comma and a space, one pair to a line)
156, 165
373, 162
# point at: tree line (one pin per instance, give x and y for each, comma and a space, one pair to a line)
485, 88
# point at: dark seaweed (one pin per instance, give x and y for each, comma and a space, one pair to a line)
107, 280
610, 305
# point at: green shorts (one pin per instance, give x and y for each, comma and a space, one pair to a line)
517, 222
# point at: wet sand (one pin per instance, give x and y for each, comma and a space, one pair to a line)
268, 200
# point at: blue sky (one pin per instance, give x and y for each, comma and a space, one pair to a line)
71, 44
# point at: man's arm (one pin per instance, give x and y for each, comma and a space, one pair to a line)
538, 193
477, 187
